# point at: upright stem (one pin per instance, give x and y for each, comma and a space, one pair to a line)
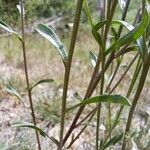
68, 67
136, 97
93, 83
26, 74
109, 15
124, 16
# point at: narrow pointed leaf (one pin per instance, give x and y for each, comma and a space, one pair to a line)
12, 91
118, 99
113, 141
41, 81
41, 132
123, 23
93, 58
50, 35
132, 36
9, 29
95, 33
6, 27
124, 51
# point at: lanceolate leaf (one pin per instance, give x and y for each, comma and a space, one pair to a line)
93, 58
129, 49
123, 23
41, 81
12, 91
50, 35
95, 31
113, 141
41, 132
8, 28
132, 36
104, 98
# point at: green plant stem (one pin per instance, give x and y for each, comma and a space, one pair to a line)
137, 70
135, 76
102, 58
68, 67
87, 95
27, 76
118, 82
124, 16
137, 95
119, 34
86, 7
78, 135
131, 87
87, 116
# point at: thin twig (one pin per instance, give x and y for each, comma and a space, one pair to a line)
27, 76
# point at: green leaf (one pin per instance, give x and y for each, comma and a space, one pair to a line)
132, 36
12, 91
95, 31
41, 81
50, 35
8, 28
113, 141
123, 23
41, 132
93, 58
113, 98
129, 49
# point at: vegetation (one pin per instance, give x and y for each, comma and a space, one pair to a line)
114, 42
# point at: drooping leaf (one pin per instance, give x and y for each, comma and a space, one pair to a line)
113, 141
122, 4
132, 36
123, 23
113, 98
41, 81
8, 28
41, 132
95, 33
12, 91
50, 35
129, 49
93, 58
